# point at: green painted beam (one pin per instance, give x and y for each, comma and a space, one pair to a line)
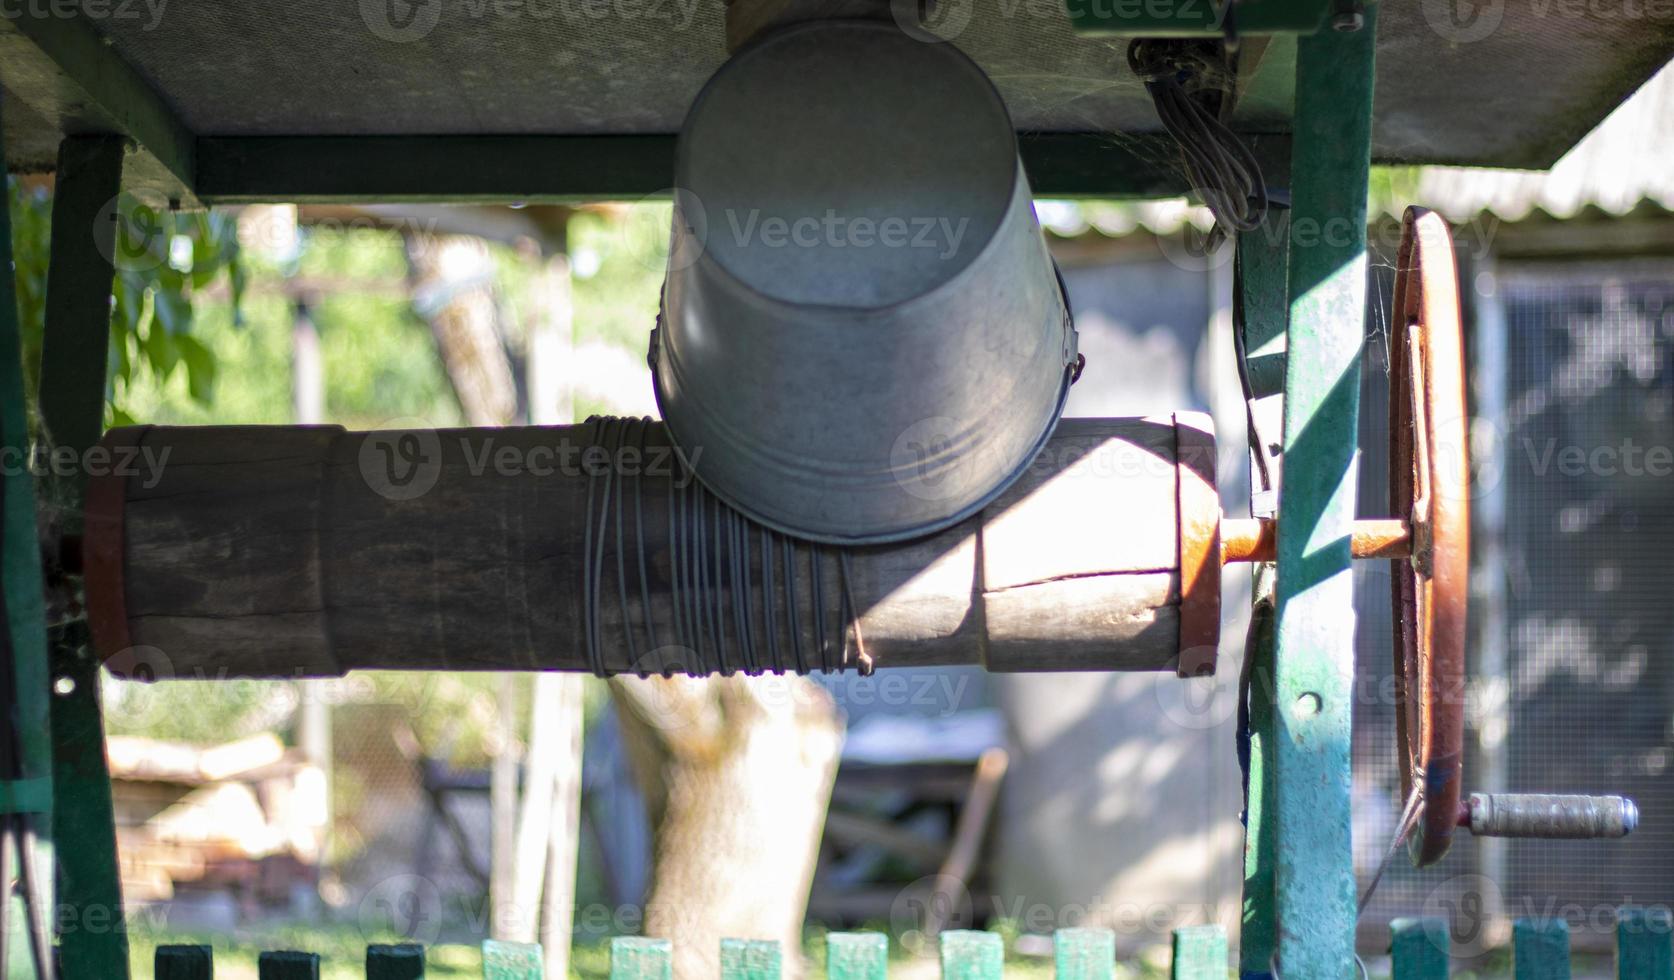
92, 936
72, 394
317, 169
32, 795
1418, 949
1258, 937
76, 345
288, 965
1195, 18
93, 76
1540, 949
1199, 953
22, 609
401, 961
1643, 948
1264, 260
1314, 660
183, 963
511, 961
856, 956
641, 958
1084, 954
971, 955
750, 959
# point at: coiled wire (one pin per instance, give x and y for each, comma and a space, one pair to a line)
718, 561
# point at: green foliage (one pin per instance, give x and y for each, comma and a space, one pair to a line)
31, 213
618, 260
196, 712
152, 312
379, 360
163, 259
1392, 189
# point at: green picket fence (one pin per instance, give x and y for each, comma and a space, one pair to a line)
1540, 947
1418, 951
1200, 953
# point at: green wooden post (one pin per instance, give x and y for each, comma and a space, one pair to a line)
856, 956
1314, 661
1084, 954
1418, 949
1199, 953
72, 394
401, 961
971, 955
183, 963
1540, 949
1643, 948
288, 964
749, 959
511, 961
641, 958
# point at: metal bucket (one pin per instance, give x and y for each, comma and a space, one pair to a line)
863, 338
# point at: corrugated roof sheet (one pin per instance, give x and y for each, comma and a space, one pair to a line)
1115, 219
1627, 160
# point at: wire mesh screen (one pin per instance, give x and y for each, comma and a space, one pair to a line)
1572, 647
1589, 494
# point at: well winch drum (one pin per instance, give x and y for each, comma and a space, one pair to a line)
862, 338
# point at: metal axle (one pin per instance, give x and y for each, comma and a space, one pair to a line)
1257, 539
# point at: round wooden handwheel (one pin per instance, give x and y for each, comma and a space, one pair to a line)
1429, 477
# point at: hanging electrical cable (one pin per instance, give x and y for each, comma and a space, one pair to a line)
1193, 84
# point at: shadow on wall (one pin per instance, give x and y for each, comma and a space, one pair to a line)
1121, 807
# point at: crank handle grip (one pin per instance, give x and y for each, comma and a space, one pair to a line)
1549, 815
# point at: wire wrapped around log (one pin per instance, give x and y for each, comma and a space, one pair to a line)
301, 551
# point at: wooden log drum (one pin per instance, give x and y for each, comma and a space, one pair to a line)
308, 551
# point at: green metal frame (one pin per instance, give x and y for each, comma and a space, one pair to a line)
22, 597
1299, 902
455, 169
21, 585
1313, 660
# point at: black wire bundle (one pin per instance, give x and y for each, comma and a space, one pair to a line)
1191, 85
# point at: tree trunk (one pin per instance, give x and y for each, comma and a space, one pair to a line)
452, 279
737, 773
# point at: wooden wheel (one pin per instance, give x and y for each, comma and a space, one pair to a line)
1429, 475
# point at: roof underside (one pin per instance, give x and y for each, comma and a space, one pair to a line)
1518, 97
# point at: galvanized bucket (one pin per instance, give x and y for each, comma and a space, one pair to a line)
863, 338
